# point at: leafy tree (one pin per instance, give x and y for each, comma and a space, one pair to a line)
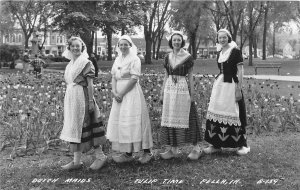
123, 16
282, 12
45, 20
217, 14
233, 11
84, 18
27, 13
77, 18
266, 11
190, 16
251, 30
6, 20
161, 18
251, 19
150, 10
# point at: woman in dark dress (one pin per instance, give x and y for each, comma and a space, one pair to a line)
226, 116
180, 122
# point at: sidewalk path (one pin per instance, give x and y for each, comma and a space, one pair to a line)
275, 77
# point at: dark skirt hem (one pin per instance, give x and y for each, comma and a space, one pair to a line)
225, 136
182, 136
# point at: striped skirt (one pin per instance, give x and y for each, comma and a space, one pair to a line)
93, 133
181, 136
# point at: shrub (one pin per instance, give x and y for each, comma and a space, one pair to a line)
59, 59
9, 52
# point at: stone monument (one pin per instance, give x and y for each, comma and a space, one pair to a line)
35, 43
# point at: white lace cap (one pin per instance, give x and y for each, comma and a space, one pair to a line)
226, 31
68, 54
177, 32
232, 44
132, 49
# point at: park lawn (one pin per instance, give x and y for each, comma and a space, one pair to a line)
272, 156
208, 66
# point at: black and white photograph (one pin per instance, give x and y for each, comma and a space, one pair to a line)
149, 94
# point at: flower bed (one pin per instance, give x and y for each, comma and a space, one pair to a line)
31, 114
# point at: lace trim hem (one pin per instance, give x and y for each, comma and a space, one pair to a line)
174, 126
223, 119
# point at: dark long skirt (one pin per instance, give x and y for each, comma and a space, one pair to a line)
180, 136
228, 136
93, 133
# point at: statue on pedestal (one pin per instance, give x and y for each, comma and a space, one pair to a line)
35, 42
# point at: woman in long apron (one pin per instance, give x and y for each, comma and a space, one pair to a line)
129, 127
180, 122
226, 116
83, 127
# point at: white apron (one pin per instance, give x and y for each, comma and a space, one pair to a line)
74, 102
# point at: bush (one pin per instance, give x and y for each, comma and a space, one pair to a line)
59, 59
162, 54
9, 52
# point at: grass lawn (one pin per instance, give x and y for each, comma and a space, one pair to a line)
272, 157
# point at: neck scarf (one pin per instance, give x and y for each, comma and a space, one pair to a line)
179, 58
75, 67
224, 55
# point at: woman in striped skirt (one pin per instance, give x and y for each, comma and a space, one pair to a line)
180, 122
82, 124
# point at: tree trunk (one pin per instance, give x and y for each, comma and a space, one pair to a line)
241, 34
265, 32
123, 31
109, 44
273, 48
96, 44
250, 36
154, 47
255, 45
193, 44
88, 40
148, 32
148, 48
158, 45
26, 41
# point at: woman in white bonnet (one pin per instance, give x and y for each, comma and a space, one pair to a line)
128, 127
226, 114
83, 127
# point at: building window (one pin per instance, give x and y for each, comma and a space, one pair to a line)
13, 38
52, 41
20, 38
7, 38
59, 40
